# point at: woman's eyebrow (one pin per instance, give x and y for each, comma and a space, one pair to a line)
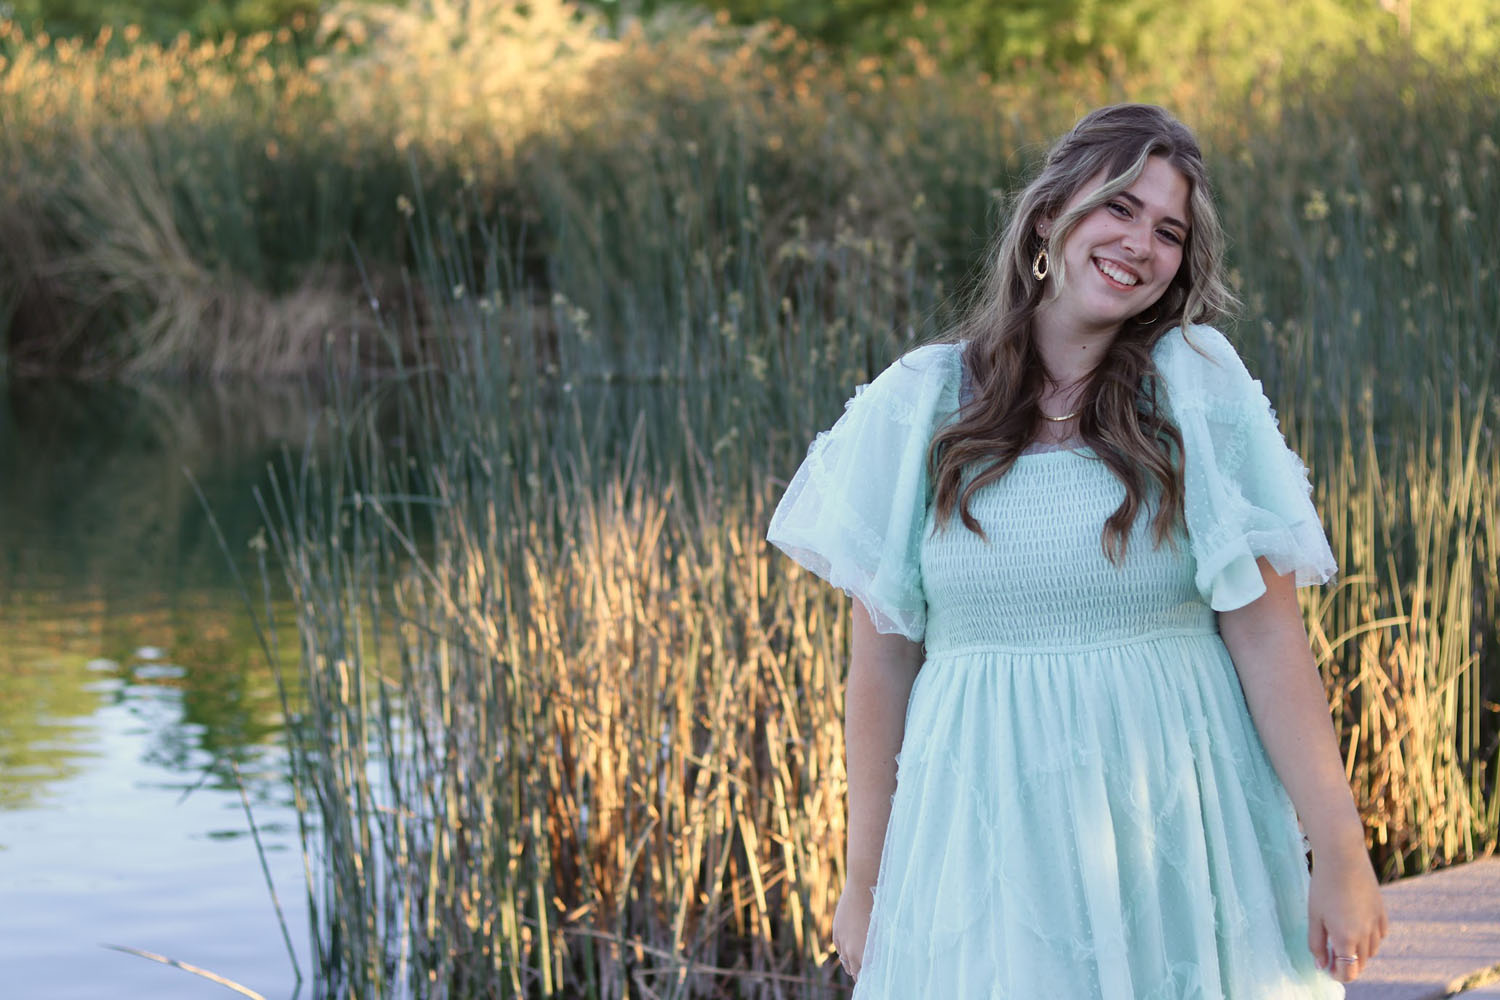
1169, 220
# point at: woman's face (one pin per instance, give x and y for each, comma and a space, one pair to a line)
1121, 257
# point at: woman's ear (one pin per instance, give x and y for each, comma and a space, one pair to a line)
1043, 225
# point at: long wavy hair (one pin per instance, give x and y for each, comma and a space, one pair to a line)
1121, 416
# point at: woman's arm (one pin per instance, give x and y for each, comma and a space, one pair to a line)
882, 669
1268, 643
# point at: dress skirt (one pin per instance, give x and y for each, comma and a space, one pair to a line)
1091, 824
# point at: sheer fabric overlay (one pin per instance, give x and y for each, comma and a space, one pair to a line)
854, 511
1247, 493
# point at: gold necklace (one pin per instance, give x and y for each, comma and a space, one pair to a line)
1066, 416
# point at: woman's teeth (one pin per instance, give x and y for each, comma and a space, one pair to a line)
1114, 273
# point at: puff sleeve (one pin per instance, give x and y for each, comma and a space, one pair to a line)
1247, 492
855, 509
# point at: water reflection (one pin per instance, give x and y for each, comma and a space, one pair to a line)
133, 687
105, 551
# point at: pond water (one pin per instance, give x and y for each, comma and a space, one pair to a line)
135, 701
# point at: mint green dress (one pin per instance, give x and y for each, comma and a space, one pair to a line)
1083, 808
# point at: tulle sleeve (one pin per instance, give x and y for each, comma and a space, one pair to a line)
1247, 492
855, 509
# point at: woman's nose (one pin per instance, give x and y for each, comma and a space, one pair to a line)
1137, 240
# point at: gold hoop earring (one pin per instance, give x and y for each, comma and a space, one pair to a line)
1147, 322
1039, 265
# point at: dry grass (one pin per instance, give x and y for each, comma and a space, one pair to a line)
131, 265
608, 744
1405, 640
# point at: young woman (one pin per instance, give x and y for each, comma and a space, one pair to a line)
1082, 719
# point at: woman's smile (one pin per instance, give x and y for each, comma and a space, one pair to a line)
1116, 273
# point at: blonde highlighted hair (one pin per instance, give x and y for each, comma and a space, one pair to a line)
1120, 419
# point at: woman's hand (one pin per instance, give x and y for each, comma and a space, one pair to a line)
851, 924
1346, 918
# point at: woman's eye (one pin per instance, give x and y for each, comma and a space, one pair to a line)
1170, 237
1118, 208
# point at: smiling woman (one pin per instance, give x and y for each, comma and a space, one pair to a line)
1097, 685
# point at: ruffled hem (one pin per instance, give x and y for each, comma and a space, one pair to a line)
884, 612
1232, 576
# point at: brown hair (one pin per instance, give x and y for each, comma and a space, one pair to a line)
1121, 418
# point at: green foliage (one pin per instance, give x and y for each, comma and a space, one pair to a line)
1241, 40
1244, 38
162, 19
984, 34
160, 191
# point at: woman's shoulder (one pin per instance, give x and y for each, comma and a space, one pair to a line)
922, 364
1198, 363
918, 381
1196, 344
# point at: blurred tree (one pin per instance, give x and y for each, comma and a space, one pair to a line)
160, 19
993, 35
1242, 38
985, 34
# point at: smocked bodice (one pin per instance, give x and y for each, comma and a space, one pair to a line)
1042, 581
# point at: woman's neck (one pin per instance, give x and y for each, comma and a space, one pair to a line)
1070, 356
